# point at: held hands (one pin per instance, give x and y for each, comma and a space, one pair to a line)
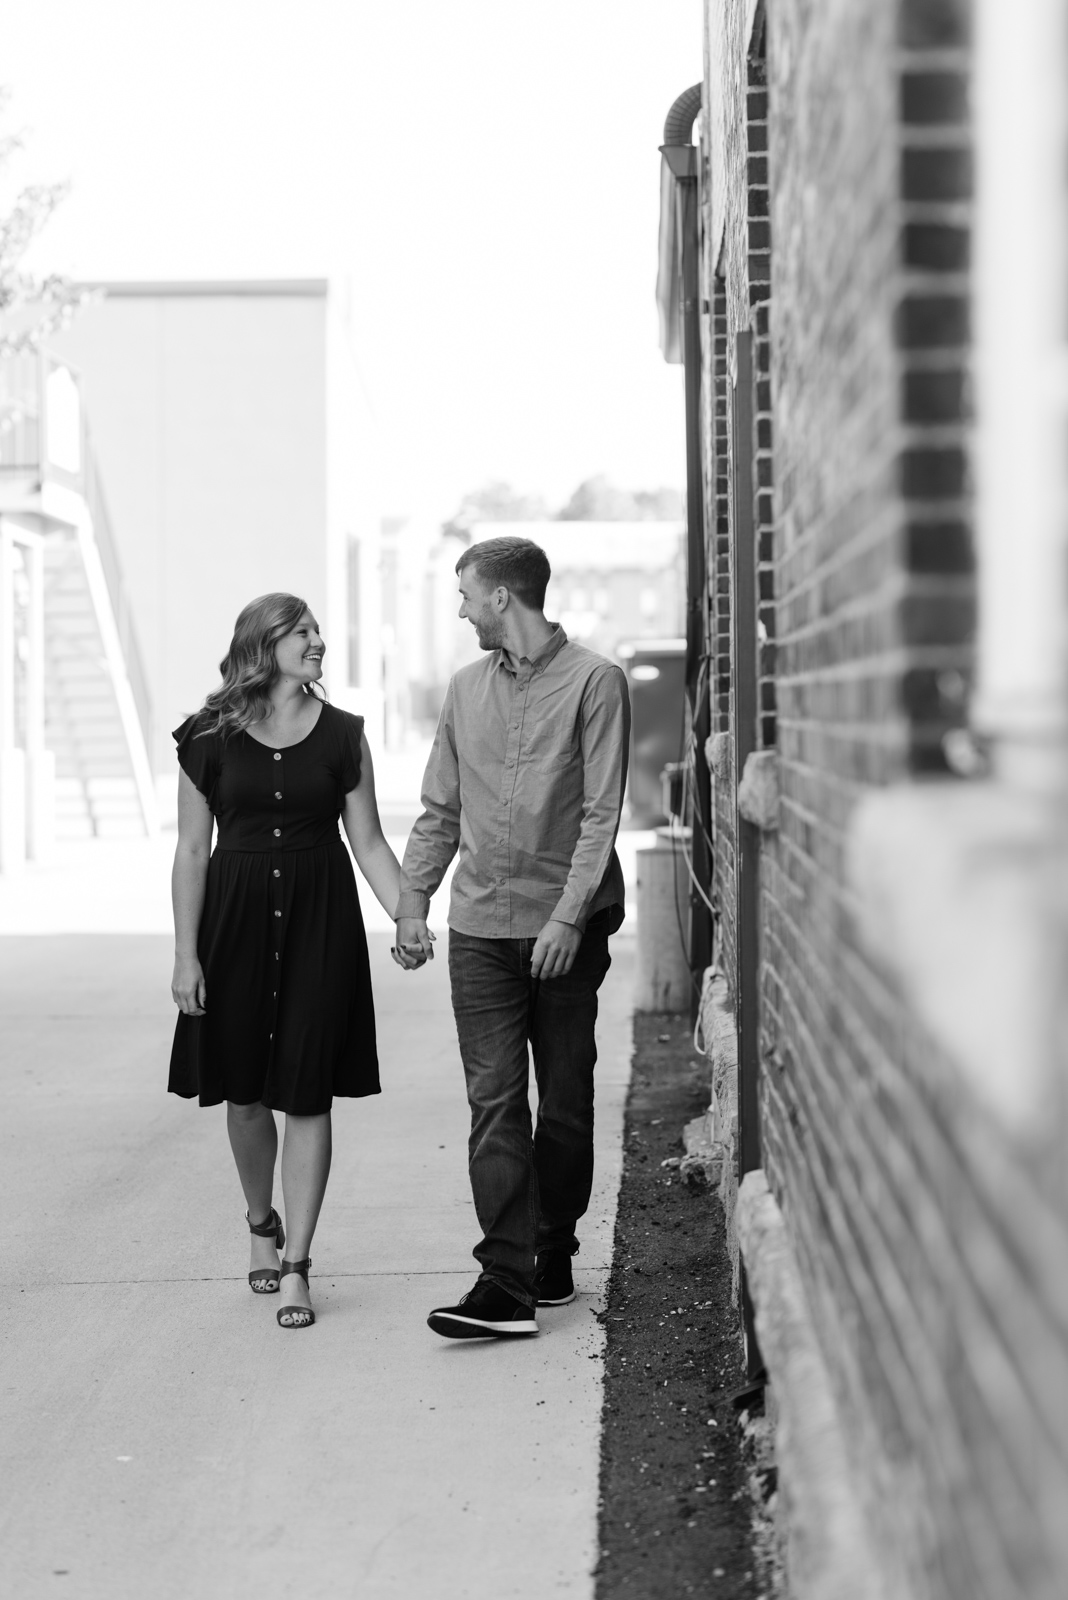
555, 950
188, 989
415, 943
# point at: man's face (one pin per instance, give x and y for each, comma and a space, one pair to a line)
477, 608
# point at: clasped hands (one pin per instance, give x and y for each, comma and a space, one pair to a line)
553, 955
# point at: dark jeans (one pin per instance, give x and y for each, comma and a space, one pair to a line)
529, 1193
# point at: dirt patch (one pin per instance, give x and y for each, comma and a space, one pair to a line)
675, 1513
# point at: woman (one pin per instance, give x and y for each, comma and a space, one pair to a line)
271, 974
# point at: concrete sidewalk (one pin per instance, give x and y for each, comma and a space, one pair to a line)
162, 1437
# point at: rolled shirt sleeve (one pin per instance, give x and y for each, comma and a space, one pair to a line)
605, 741
436, 834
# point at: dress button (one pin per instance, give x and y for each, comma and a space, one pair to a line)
278, 913
278, 794
278, 833
277, 873
278, 755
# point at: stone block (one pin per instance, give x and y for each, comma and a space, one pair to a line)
703, 1162
829, 1555
718, 755
758, 792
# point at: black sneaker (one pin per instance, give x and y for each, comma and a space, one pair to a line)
553, 1283
485, 1312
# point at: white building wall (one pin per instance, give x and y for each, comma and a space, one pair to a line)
210, 413
353, 516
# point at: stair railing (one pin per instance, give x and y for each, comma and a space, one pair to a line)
121, 606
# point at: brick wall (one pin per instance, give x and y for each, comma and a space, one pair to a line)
915, 1223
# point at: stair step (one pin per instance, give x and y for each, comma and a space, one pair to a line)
95, 788
70, 767
92, 718
111, 828
74, 828
110, 788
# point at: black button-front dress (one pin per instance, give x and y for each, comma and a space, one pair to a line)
290, 1016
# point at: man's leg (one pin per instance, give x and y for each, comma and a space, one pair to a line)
491, 1003
562, 1033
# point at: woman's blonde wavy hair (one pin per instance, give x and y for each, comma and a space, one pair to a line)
249, 668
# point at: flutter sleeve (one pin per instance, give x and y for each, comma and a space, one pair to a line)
198, 756
351, 751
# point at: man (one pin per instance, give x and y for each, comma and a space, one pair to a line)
526, 780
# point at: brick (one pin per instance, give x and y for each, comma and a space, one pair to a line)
932, 99
932, 619
936, 174
933, 474
937, 246
933, 395
933, 24
936, 321
939, 546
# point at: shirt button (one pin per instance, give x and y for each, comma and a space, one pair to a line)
278, 794
278, 833
278, 913
277, 873
278, 755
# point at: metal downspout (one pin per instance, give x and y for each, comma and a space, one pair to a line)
681, 157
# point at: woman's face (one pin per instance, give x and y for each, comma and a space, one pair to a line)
299, 654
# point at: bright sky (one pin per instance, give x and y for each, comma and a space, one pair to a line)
484, 173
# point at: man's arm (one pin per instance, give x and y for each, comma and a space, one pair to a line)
605, 746
433, 840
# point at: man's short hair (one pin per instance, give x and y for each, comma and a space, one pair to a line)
520, 565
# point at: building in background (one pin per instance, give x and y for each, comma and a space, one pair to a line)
883, 226
612, 582
76, 712
234, 444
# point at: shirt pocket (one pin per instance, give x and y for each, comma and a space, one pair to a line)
546, 752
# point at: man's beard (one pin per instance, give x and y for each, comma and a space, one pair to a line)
490, 631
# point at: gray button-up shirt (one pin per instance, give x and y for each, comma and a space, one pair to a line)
526, 780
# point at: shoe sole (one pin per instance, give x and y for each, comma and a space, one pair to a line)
565, 1300
452, 1327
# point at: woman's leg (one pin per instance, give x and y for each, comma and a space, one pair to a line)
305, 1169
254, 1141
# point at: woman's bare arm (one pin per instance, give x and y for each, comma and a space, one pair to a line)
363, 826
188, 880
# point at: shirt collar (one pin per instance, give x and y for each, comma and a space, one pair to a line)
540, 661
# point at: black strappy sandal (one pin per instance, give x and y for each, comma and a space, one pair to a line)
304, 1312
265, 1279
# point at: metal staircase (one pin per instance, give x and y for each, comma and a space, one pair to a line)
96, 790
97, 709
